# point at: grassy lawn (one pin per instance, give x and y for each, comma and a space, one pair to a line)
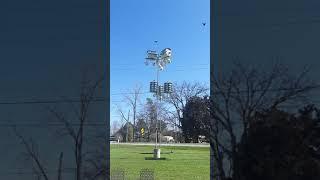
181, 162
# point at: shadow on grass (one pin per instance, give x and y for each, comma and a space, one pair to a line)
161, 153
151, 158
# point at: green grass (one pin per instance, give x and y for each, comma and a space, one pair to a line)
185, 163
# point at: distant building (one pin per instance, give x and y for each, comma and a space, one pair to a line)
202, 139
168, 139
122, 133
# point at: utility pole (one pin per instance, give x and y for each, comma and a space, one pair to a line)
160, 61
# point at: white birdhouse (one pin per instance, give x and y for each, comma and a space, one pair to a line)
166, 53
152, 55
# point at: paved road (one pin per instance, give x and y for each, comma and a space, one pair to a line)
169, 144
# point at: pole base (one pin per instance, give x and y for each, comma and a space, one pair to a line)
156, 153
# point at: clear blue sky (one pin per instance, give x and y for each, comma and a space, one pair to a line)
135, 25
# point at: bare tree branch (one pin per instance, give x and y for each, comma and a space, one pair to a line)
30, 147
237, 97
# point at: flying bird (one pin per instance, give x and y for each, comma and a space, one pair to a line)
203, 24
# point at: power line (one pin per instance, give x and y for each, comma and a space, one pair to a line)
145, 92
48, 125
17, 172
50, 101
269, 90
172, 70
104, 99
130, 65
242, 91
126, 67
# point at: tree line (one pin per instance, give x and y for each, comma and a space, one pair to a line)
260, 124
169, 113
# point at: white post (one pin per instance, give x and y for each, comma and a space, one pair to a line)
156, 153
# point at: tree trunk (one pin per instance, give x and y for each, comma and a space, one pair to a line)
235, 164
60, 166
217, 161
134, 124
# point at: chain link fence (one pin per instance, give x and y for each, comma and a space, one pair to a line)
120, 174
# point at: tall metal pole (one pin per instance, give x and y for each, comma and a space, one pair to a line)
157, 96
160, 61
159, 100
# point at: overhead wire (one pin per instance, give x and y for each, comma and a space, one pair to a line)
102, 124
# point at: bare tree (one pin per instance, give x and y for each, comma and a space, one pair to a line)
132, 98
87, 96
155, 116
76, 127
32, 152
115, 126
237, 97
180, 95
178, 99
126, 120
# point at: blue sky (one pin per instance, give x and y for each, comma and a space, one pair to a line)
135, 25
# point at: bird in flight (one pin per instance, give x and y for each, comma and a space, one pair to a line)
203, 23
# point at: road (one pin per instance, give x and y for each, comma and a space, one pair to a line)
167, 144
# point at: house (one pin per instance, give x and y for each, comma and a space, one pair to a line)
168, 139
202, 139
123, 133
